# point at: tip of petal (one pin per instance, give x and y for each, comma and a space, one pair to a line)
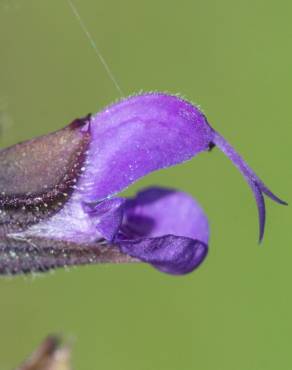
271, 195
261, 209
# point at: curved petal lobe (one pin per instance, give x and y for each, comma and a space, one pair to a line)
166, 228
172, 254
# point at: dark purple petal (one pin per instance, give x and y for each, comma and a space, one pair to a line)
172, 254
166, 228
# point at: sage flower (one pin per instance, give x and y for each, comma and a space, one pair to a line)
58, 193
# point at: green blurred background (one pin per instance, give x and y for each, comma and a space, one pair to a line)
233, 58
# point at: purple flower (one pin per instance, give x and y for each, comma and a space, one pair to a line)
58, 203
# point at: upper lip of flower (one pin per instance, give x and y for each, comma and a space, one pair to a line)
58, 191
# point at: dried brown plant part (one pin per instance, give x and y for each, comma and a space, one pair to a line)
50, 355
